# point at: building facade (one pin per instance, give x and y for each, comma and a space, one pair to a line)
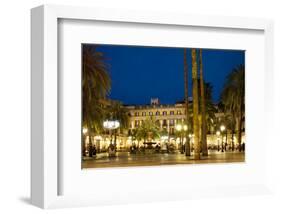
166, 116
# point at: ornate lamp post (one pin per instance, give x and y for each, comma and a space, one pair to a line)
181, 128
218, 138
84, 131
111, 125
222, 128
191, 143
184, 130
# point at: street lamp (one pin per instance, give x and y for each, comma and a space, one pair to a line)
85, 130
111, 125
191, 141
185, 127
218, 138
222, 130
178, 127
181, 128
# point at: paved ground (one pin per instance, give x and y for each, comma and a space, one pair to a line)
124, 159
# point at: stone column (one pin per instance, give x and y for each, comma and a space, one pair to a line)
133, 124
168, 126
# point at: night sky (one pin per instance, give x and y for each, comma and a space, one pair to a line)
140, 73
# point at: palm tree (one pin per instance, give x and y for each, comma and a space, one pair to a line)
210, 109
95, 86
230, 122
233, 97
133, 135
195, 105
203, 109
187, 143
116, 111
148, 129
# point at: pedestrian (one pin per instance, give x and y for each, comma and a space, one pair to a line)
243, 147
90, 150
111, 150
94, 152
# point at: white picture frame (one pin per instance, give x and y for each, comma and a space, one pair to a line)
45, 89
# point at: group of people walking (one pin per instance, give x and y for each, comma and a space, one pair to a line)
92, 150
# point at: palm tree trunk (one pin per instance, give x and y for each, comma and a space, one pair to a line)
232, 139
200, 130
187, 143
225, 145
90, 144
239, 133
115, 138
195, 105
83, 145
203, 109
89, 128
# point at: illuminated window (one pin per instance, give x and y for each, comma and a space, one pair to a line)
157, 113
136, 123
150, 113
171, 112
143, 113
164, 113
172, 122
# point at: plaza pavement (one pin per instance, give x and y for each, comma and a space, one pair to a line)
125, 159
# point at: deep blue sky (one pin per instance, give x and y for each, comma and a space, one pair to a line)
139, 73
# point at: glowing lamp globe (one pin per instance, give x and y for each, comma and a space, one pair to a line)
111, 124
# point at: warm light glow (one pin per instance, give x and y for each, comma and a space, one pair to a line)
85, 130
222, 128
185, 127
178, 127
218, 133
111, 124
190, 135
98, 137
165, 137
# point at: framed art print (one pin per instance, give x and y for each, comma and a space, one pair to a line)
132, 106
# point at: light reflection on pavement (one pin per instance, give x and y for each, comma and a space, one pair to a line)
125, 159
